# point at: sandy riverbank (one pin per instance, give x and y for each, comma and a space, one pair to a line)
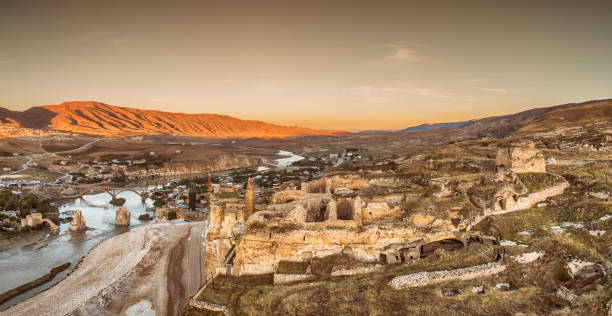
153, 268
12, 244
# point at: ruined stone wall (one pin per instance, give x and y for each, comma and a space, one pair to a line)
521, 159
260, 252
527, 160
378, 211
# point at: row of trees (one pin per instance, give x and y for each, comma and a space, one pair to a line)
24, 202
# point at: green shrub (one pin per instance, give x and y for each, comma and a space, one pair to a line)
171, 215
118, 202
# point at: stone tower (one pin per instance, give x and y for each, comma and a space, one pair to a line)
249, 199
521, 157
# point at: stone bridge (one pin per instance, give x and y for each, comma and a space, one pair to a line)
53, 229
80, 190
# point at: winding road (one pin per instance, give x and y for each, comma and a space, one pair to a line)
31, 156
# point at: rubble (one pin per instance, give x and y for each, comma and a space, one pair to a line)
425, 278
479, 290
505, 286
529, 257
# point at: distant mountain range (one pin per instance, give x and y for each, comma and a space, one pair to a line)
429, 126
538, 119
95, 118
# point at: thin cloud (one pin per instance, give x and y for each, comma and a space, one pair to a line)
399, 54
376, 94
494, 90
403, 53
436, 94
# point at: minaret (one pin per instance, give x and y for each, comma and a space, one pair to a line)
249, 200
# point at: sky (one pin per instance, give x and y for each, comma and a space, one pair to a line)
349, 65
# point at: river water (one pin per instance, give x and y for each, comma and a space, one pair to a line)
290, 158
27, 265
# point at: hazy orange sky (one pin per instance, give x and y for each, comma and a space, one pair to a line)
323, 64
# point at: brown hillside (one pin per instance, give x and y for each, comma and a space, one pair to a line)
571, 116
102, 119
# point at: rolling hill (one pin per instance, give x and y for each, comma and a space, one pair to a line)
433, 126
538, 119
95, 118
565, 116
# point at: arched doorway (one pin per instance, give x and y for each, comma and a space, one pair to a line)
345, 210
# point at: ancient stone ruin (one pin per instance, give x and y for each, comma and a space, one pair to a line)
78, 222
32, 220
521, 157
36, 219
335, 215
122, 217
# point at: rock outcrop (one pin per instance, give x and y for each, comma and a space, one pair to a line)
122, 217
426, 278
78, 222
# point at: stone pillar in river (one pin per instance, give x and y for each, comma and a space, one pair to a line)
78, 222
122, 217
249, 199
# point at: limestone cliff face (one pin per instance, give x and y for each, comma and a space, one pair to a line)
222, 162
531, 199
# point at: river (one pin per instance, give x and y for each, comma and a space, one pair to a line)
27, 264
290, 158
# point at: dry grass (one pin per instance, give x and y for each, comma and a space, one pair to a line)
539, 181
292, 267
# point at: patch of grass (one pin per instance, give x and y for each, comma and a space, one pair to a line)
538, 181
226, 289
292, 267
